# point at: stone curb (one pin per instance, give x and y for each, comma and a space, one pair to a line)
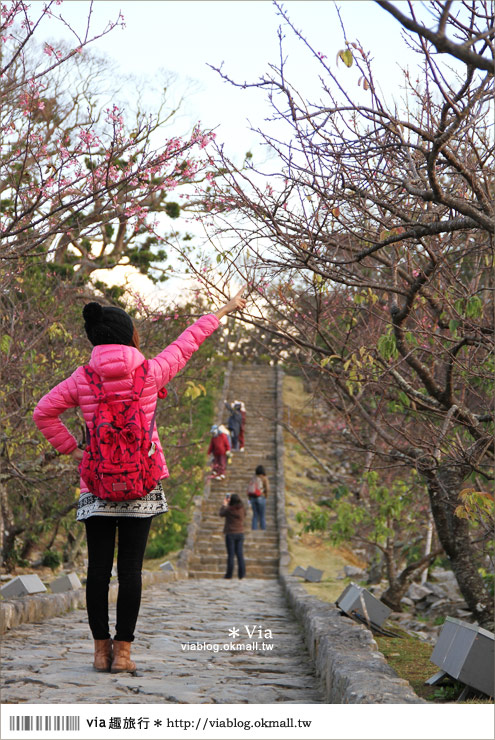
37, 607
349, 665
194, 526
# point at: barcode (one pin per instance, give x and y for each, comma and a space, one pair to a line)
48, 724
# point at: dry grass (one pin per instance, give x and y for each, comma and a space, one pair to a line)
300, 492
410, 659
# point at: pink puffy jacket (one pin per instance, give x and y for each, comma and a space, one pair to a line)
115, 364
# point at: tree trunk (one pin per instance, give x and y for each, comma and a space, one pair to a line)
399, 585
429, 540
8, 531
444, 485
74, 547
393, 595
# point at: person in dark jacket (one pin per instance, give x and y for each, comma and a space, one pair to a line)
234, 512
234, 423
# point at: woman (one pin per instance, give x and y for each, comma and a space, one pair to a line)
234, 512
219, 447
258, 489
115, 359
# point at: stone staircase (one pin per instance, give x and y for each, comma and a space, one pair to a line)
256, 386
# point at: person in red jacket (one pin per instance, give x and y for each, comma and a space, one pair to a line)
116, 358
219, 446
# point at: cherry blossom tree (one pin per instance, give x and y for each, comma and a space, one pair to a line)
83, 185
369, 249
463, 20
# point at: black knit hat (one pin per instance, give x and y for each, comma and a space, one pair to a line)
107, 324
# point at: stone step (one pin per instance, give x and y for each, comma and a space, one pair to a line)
215, 525
214, 555
214, 520
258, 391
209, 532
263, 537
267, 574
250, 546
218, 563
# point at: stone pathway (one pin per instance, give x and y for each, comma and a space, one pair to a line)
50, 662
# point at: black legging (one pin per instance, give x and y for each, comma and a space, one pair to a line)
133, 535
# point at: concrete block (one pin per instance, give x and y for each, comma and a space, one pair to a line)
65, 582
357, 599
22, 585
313, 574
167, 566
465, 651
299, 571
352, 572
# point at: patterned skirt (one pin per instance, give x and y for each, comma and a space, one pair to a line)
152, 504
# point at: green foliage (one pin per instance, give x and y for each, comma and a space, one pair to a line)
37, 323
385, 510
5, 343
387, 346
390, 514
477, 506
172, 210
346, 56
447, 693
51, 559
43, 346
193, 419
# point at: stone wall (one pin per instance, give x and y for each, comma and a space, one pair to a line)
37, 607
346, 657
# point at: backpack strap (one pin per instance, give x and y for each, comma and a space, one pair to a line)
95, 382
96, 386
139, 381
140, 378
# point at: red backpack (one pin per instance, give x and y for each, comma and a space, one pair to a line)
120, 462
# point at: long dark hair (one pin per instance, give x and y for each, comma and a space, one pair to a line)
235, 499
135, 342
260, 470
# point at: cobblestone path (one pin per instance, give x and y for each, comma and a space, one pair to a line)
51, 662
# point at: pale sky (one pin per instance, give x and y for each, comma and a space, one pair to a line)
183, 36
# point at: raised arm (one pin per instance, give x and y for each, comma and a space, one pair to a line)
237, 303
174, 357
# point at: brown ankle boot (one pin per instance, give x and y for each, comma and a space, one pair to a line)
122, 662
103, 655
